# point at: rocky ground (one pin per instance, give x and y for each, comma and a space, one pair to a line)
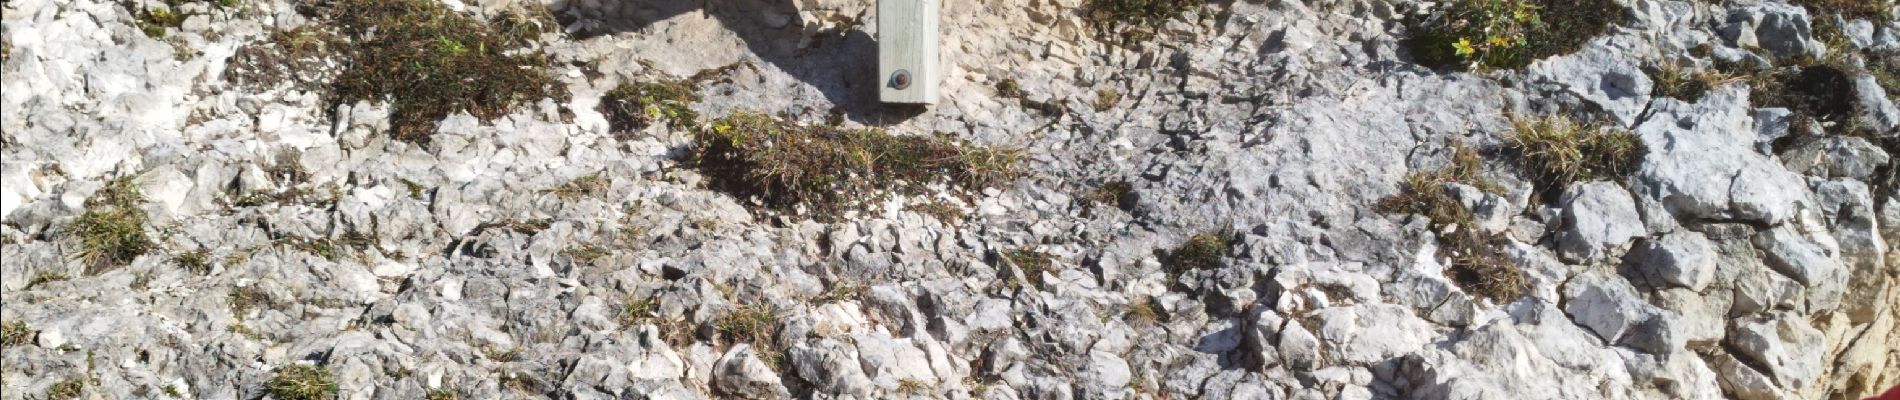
1749, 253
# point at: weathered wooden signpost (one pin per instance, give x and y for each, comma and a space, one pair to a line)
907, 51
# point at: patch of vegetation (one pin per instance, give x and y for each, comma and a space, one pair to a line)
1504, 34
753, 324
1820, 92
1885, 66
1205, 250
196, 261
910, 386
1557, 151
15, 333
1134, 21
440, 394
842, 291
943, 211
243, 299
1033, 263
587, 185
1118, 194
827, 169
1682, 83
68, 389
512, 354
586, 254
429, 62
44, 277
641, 311
170, 390
633, 106
296, 56
112, 230
302, 382
1142, 310
244, 330
1009, 88
1107, 98
1871, 10
1477, 261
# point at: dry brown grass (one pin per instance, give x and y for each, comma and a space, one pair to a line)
1477, 261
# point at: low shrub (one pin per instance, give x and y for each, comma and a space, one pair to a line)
1504, 34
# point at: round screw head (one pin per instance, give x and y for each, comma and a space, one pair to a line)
900, 80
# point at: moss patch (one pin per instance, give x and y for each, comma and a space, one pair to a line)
1556, 151
111, 232
1504, 34
827, 169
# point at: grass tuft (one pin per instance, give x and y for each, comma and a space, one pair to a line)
633, 106
1504, 34
429, 62
440, 394
829, 169
753, 324
1142, 310
196, 261
1204, 250
1107, 98
1557, 151
302, 382
156, 22
68, 389
1477, 262
1682, 83
112, 230
15, 333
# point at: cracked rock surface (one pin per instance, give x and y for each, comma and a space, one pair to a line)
1741, 258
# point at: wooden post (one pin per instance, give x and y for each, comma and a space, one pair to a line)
907, 51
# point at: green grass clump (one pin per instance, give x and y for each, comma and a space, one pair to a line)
1505, 34
1204, 250
111, 232
827, 169
1142, 311
633, 106
1557, 151
197, 261
156, 22
430, 62
15, 333
753, 324
441, 394
1477, 261
302, 382
1134, 20
1107, 98
68, 389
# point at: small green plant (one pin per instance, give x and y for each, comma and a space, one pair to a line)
1477, 261
633, 106
430, 62
1204, 250
196, 261
156, 22
68, 389
1677, 81
302, 382
1504, 34
15, 333
1010, 88
841, 292
1557, 151
912, 386
1118, 193
1033, 263
512, 354
943, 211
111, 231
1134, 20
243, 330
642, 311
441, 394
171, 391
827, 169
